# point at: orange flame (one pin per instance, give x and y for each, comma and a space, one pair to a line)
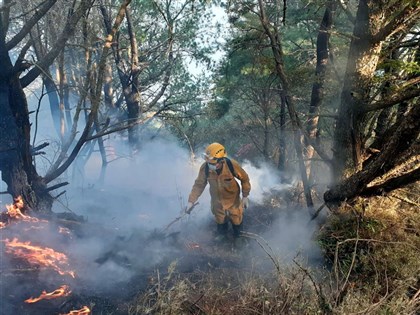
15, 209
15, 212
60, 292
83, 311
36, 255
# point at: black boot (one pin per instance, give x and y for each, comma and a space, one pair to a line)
222, 231
238, 241
237, 230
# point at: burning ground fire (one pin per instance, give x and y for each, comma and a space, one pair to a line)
60, 292
38, 256
15, 213
83, 311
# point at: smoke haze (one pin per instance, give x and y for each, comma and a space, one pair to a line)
127, 215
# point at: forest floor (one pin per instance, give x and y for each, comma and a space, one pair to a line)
182, 270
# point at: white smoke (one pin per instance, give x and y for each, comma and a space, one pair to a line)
138, 199
264, 180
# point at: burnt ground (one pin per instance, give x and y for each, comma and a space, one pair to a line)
110, 277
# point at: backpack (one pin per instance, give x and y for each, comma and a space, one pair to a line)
229, 164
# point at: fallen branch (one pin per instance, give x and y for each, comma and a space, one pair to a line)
324, 305
316, 213
406, 200
257, 238
180, 217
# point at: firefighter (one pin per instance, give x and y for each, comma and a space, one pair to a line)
226, 203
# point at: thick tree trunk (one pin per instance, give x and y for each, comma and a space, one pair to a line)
16, 165
375, 22
361, 65
400, 141
16, 161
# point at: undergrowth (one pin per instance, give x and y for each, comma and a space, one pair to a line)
372, 266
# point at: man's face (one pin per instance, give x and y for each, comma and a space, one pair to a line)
215, 164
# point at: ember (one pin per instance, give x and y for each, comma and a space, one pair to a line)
60, 292
39, 256
63, 230
83, 311
192, 245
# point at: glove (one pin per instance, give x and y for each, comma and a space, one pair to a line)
189, 207
245, 202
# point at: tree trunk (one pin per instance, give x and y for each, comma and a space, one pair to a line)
16, 162
16, 165
282, 136
276, 48
317, 95
404, 136
131, 89
53, 100
362, 61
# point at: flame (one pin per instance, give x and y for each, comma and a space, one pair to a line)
15, 212
83, 311
36, 255
60, 292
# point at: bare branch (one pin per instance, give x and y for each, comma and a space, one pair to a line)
57, 186
347, 11
67, 32
39, 14
396, 98
392, 184
404, 20
96, 99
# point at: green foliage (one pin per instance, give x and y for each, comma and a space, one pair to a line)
408, 67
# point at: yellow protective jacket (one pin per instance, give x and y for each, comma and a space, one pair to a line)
224, 191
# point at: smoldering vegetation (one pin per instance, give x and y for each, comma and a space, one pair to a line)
117, 234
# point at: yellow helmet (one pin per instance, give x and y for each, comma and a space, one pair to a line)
214, 152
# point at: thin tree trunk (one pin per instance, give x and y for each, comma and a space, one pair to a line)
317, 95
60, 77
131, 90
282, 136
276, 48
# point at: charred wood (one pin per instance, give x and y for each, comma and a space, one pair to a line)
56, 186
34, 150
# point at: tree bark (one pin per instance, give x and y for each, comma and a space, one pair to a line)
361, 65
282, 136
404, 137
374, 22
16, 164
129, 81
317, 95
